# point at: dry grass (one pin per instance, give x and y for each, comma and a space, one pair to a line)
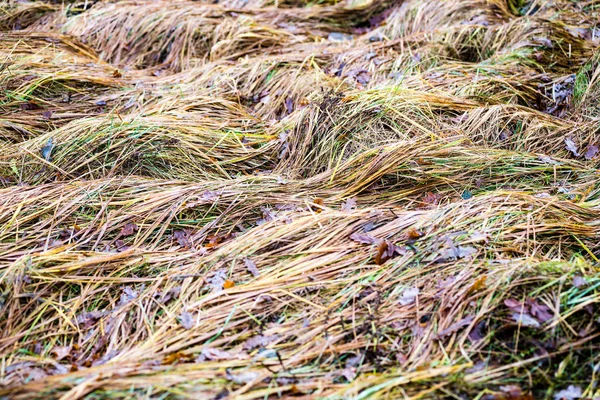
310, 199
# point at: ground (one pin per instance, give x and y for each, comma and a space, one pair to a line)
248, 199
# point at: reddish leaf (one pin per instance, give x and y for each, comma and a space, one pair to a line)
478, 285
129, 229
414, 233
540, 311
431, 199
386, 250
319, 203
381, 251
174, 358
228, 284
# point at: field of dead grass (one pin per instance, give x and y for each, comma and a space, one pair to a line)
332, 199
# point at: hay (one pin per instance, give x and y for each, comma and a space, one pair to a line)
331, 199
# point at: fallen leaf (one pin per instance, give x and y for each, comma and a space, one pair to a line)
363, 238
170, 294
514, 392
339, 37
408, 296
352, 362
349, 205
591, 152
242, 377
61, 351
455, 327
34, 374
525, 320
47, 150
478, 285
182, 238
456, 253
228, 284
289, 105
251, 266
127, 296
540, 311
174, 358
381, 250
87, 319
548, 160
431, 199
414, 233
186, 320
213, 354
514, 305
218, 280
319, 203
129, 229
386, 250
570, 393
259, 341
363, 77
349, 374
479, 237
579, 282
478, 332
572, 147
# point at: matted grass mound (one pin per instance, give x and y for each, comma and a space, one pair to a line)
300, 199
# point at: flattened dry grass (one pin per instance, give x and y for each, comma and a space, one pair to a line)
272, 199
